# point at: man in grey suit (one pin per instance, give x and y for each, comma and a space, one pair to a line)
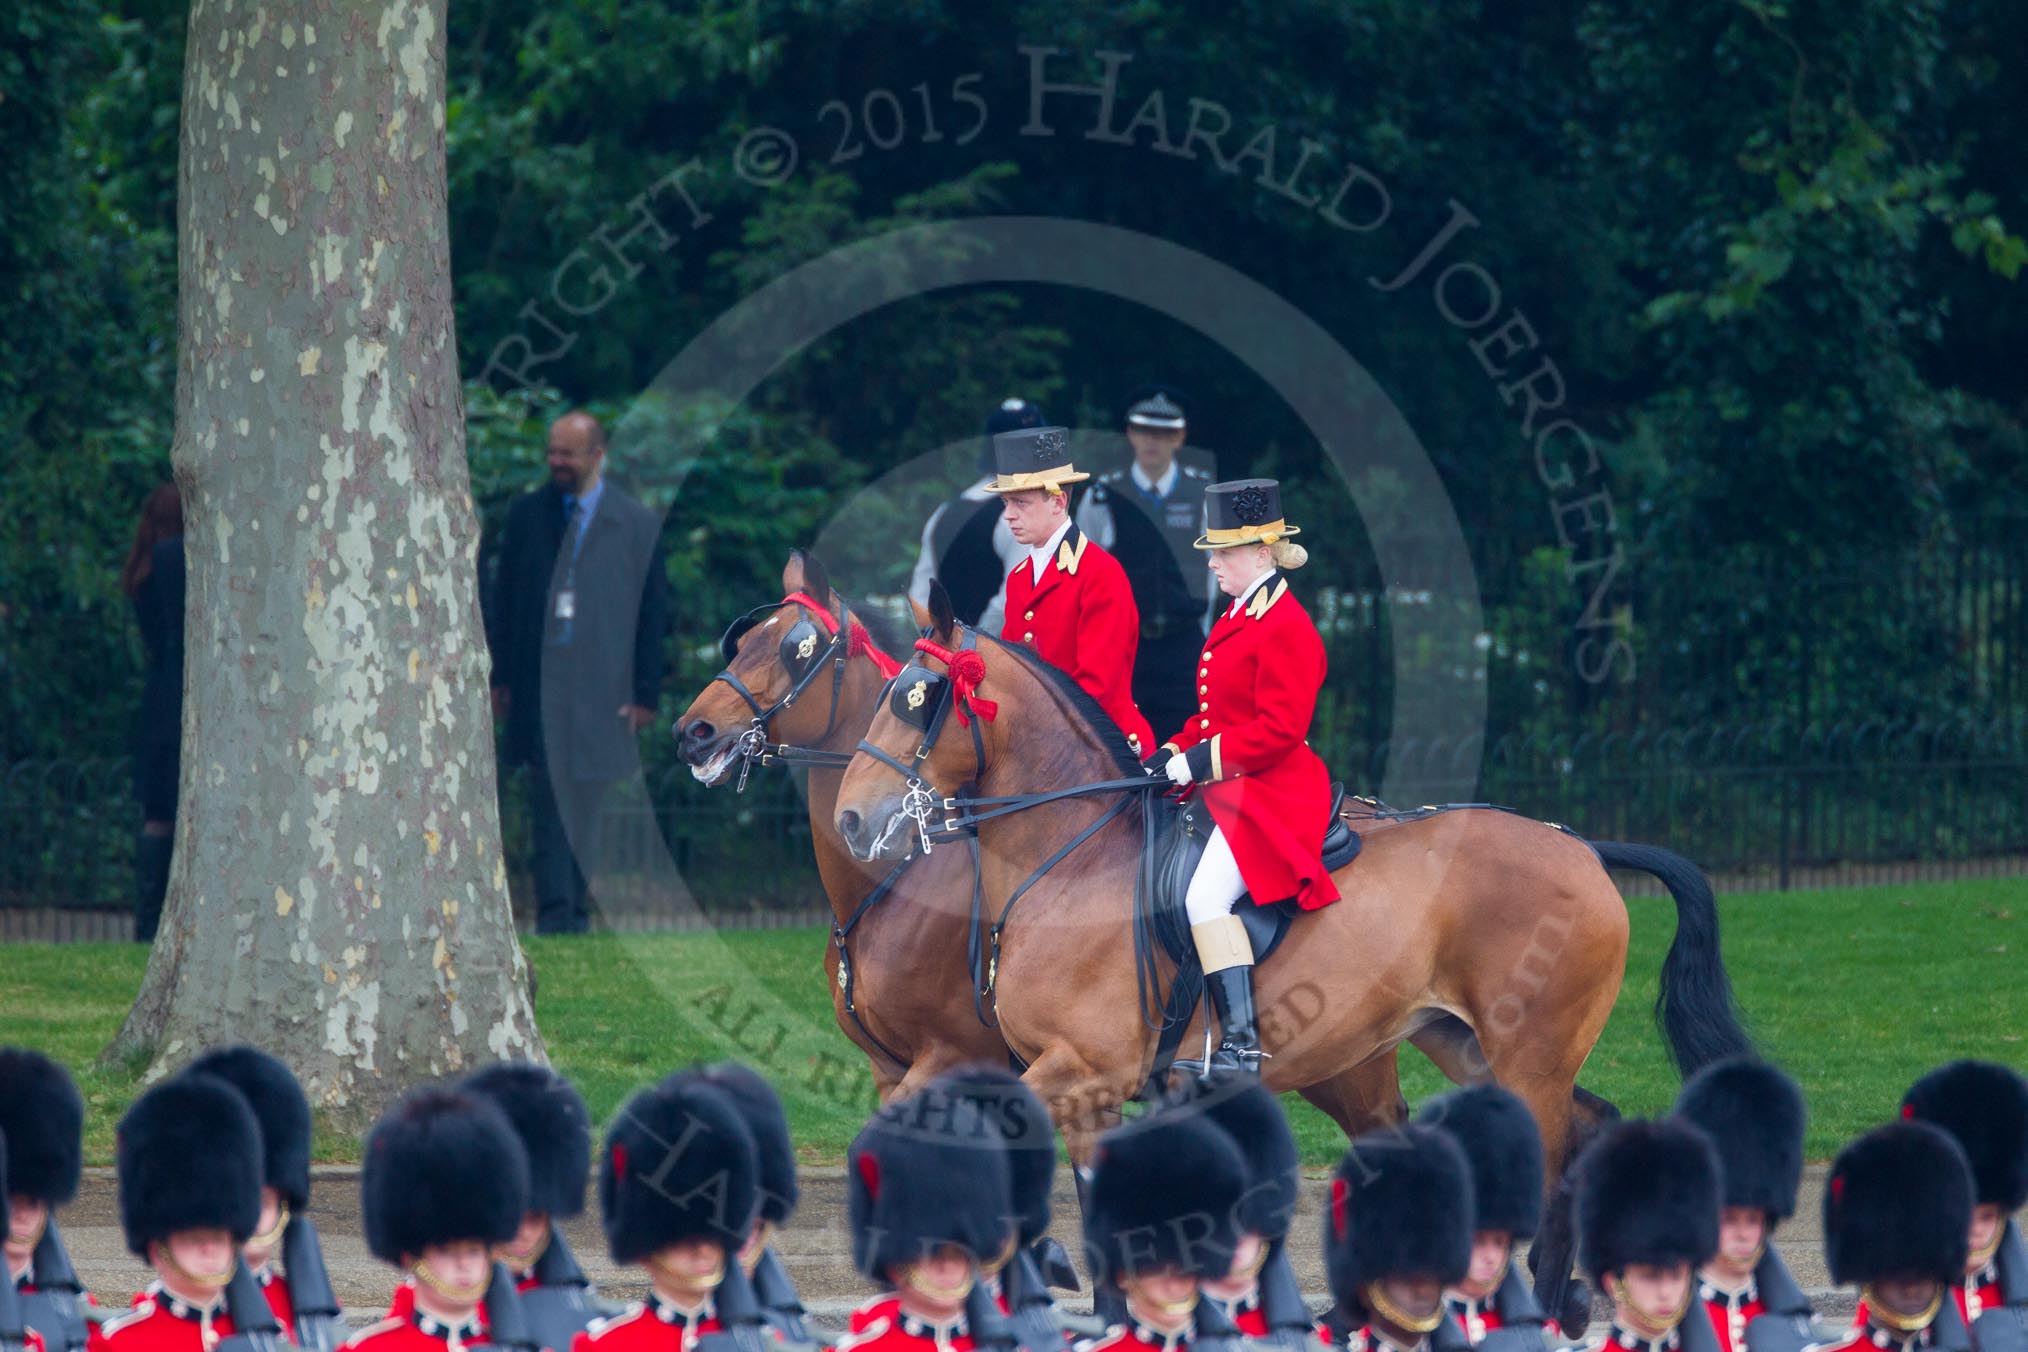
575, 623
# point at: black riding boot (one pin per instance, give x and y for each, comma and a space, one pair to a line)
1238, 1028
151, 882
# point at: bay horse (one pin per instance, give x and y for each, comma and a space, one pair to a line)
1494, 943
910, 1007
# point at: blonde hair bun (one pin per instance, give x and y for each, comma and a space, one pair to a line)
1289, 554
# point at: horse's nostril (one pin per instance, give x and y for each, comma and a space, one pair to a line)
848, 823
701, 731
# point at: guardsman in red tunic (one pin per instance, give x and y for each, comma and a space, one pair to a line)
1647, 1216
1754, 1115
761, 1109
1491, 1305
1897, 1205
929, 1202
1259, 1293
549, 1116
1984, 1107
1069, 600
1014, 1277
189, 1166
299, 1292
1257, 682
679, 1185
1397, 1231
1161, 1216
444, 1180
42, 1119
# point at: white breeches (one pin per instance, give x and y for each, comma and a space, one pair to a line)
1216, 885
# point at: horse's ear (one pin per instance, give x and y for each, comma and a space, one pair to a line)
943, 618
816, 582
792, 572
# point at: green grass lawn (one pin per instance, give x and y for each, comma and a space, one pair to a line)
1856, 991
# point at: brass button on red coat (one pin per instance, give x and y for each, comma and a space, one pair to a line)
1029, 616
1028, 637
1203, 722
1204, 708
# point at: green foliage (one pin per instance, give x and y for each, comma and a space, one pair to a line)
1772, 249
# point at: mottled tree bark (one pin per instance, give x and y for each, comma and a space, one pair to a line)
338, 895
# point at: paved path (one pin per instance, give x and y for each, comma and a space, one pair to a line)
815, 1247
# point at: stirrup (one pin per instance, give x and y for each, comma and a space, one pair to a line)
1223, 1057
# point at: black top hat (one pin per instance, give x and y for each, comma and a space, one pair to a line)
679, 1164
189, 1158
1165, 1192
442, 1165
549, 1116
1252, 1116
1647, 1192
42, 1117
923, 1173
1157, 406
1503, 1146
1754, 1114
1033, 457
761, 1108
1985, 1107
278, 1104
1244, 512
1023, 1124
1401, 1206
1898, 1203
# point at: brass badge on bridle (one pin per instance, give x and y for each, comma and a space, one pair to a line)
806, 647
917, 693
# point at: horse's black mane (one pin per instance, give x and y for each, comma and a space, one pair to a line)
1108, 732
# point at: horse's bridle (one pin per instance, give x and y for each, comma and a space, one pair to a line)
799, 655
924, 699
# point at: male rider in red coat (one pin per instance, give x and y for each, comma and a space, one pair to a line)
1068, 599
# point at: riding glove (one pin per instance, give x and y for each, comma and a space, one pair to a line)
1178, 770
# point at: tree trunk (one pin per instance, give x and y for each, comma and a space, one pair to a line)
338, 895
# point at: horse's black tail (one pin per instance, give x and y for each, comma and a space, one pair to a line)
1695, 1006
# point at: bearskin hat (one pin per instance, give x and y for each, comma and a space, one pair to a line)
442, 1165
1647, 1192
1985, 1107
762, 1108
189, 1157
1754, 1115
679, 1164
925, 1172
549, 1116
42, 1117
278, 1104
1503, 1147
1252, 1116
1165, 1191
1898, 1203
1012, 1109
1401, 1205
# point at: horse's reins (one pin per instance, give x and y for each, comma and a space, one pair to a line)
961, 817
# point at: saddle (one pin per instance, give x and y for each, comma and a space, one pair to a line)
1178, 843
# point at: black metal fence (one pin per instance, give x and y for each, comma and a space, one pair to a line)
1760, 805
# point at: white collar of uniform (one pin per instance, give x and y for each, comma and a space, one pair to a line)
1040, 555
1160, 487
1239, 601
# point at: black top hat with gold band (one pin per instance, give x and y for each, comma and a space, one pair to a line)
1033, 457
1244, 512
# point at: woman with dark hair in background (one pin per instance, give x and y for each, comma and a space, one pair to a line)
153, 580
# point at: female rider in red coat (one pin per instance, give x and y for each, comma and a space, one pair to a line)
1257, 684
